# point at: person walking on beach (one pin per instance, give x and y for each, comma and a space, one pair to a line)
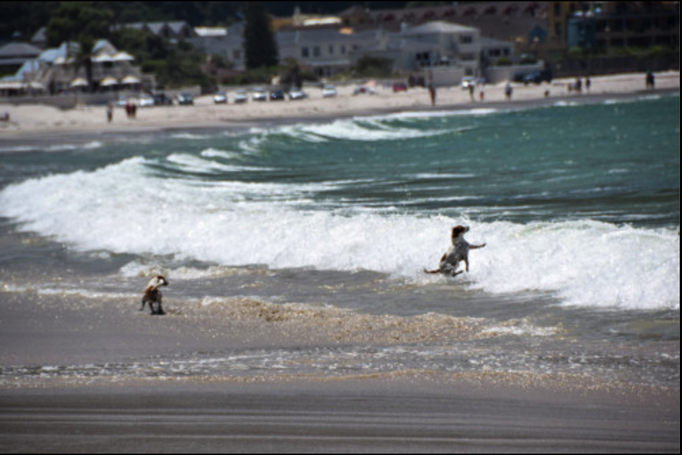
432, 93
508, 91
650, 80
110, 111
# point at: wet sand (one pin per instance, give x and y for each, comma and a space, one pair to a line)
407, 411
363, 416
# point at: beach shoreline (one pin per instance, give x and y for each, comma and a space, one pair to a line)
39, 123
410, 411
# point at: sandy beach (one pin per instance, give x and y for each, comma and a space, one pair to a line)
28, 122
82, 370
408, 413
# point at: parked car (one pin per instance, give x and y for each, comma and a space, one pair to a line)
468, 81
185, 98
220, 98
364, 89
259, 94
240, 96
399, 87
328, 91
537, 77
160, 99
145, 101
276, 95
296, 94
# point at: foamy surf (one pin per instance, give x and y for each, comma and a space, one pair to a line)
126, 208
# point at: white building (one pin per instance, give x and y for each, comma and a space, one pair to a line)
226, 42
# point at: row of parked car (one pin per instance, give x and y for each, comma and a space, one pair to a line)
260, 94
239, 96
221, 97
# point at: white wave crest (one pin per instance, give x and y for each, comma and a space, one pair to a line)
127, 208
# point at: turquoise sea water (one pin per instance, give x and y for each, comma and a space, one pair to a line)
578, 206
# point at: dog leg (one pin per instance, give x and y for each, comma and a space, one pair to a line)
159, 309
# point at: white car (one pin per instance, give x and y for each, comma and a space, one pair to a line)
240, 96
328, 91
296, 94
467, 82
145, 101
259, 94
220, 98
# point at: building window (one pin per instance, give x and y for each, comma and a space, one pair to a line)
466, 39
343, 49
304, 52
316, 51
331, 49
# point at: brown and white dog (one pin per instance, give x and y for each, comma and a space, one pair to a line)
152, 295
459, 251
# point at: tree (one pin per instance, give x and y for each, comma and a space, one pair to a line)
368, 66
82, 22
260, 48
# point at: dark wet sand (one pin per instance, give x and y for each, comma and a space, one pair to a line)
356, 416
409, 412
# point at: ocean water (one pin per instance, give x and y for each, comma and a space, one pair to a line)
333, 223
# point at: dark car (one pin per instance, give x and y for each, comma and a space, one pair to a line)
399, 87
160, 99
537, 77
185, 99
276, 95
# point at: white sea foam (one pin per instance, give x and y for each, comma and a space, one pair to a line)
413, 115
192, 163
127, 208
365, 129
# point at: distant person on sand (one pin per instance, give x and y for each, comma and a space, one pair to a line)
508, 91
110, 111
471, 91
432, 91
650, 80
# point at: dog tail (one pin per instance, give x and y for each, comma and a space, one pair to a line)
431, 271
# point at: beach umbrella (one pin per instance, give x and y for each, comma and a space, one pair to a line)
123, 57
108, 82
79, 82
130, 80
101, 58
